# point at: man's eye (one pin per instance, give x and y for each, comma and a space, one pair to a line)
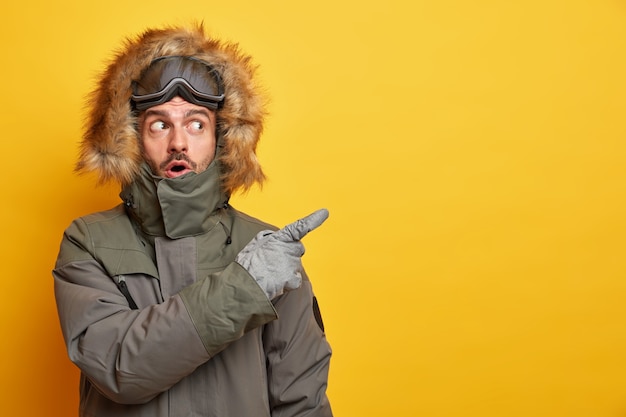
157, 126
196, 125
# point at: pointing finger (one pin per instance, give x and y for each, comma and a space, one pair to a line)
298, 229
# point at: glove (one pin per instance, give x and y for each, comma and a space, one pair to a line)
273, 258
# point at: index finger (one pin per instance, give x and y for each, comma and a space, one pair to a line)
298, 229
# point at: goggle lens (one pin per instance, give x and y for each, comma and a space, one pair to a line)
171, 76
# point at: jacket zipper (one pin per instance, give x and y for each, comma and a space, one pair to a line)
121, 284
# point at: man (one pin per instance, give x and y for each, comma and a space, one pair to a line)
174, 303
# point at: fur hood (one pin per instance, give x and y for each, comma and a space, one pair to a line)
110, 145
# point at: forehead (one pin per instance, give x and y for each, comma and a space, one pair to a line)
177, 107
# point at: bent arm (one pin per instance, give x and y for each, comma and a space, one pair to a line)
133, 355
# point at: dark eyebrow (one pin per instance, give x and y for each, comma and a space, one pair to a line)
203, 111
150, 112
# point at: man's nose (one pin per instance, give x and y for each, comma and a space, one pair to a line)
178, 140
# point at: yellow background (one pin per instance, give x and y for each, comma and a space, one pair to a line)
471, 154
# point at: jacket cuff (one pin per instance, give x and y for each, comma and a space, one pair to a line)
224, 306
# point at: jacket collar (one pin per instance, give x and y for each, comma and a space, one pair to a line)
175, 207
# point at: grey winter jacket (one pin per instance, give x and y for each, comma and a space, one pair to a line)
162, 322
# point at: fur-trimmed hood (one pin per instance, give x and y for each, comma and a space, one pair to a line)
110, 144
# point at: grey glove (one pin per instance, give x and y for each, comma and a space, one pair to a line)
273, 258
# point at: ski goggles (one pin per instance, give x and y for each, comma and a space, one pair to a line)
170, 76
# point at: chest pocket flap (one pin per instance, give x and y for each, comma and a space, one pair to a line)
127, 262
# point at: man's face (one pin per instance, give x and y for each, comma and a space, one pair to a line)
178, 137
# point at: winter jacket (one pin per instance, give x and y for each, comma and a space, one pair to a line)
162, 322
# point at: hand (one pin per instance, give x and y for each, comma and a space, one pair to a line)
274, 258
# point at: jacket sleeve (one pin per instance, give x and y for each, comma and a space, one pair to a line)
298, 356
131, 356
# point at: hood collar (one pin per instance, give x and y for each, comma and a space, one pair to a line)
175, 207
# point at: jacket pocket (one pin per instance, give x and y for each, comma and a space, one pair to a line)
140, 290
120, 280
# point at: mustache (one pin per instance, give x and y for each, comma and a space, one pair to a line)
180, 156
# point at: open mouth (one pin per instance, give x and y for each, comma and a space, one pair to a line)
177, 165
176, 169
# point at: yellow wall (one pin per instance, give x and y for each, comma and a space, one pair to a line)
471, 154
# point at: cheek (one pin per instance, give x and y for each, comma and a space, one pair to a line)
151, 150
205, 148
209, 150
